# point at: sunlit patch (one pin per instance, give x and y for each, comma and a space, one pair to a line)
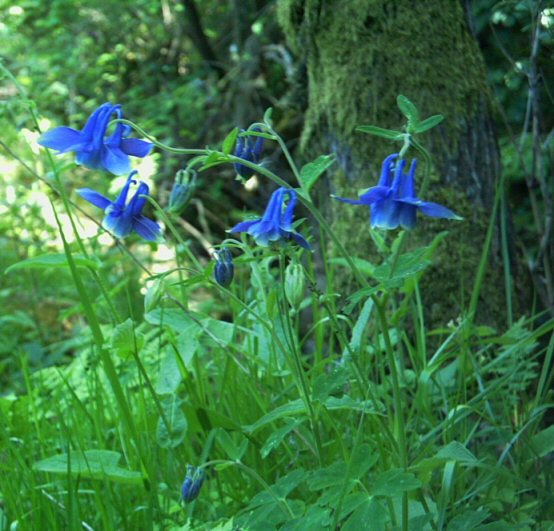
252, 184
547, 17
31, 138
15, 11
163, 257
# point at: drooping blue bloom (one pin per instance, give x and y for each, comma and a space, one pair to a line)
192, 484
248, 148
93, 150
276, 223
122, 217
224, 269
393, 201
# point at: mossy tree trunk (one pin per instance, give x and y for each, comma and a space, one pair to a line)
359, 55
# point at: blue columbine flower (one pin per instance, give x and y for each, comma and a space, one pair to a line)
393, 201
122, 218
248, 148
92, 149
192, 484
224, 269
276, 223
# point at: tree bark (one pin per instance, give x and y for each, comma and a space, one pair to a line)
198, 37
359, 55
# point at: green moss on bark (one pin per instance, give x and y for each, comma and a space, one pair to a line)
359, 56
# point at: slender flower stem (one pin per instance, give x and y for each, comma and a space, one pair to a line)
300, 371
398, 400
304, 197
165, 218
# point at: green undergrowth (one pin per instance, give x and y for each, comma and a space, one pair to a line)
307, 406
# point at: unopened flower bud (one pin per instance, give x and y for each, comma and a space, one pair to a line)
224, 269
248, 148
295, 284
183, 188
192, 484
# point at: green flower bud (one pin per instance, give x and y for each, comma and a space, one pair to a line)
183, 189
295, 284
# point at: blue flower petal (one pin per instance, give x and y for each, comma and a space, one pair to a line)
118, 222
244, 226
300, 240
89, 159
276, 222
286, 218
122, 197
385, 214
377, 193
433, 210
386, 170
62, 139
146, 228
135, 147
92, 125
350, 201
407, 187
115, 161
96, 198
137, 203
407, 215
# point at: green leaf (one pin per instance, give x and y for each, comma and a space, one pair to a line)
379, 131
292, 408
46, 261
408, 109
226, 442
428, 123
335, 474
213, 159
543, 442
393, 483
187, 346
173, 433
392, 275
277, 437
297, 406
267, 116
282, 488
229, 142
345, 402
365, 267
316, 517
310, 173
330, 382
169, 376
124, 339
92, 464
370, 516
467, 520
456, 451
222, 330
